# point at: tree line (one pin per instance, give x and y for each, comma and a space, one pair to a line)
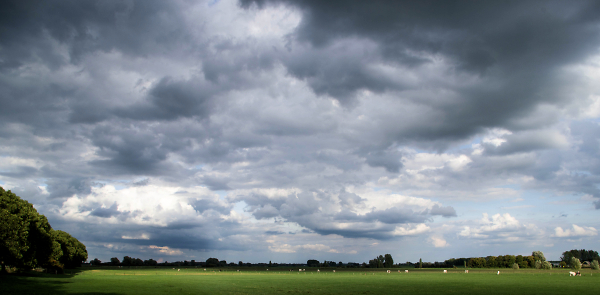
28, 241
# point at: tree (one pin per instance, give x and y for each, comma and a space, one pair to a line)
388, 260
595, 265
25, 240
546, 265
115, 261
575, 263
73, 251
515, 266
127, 261
312, 263
150, 262
420, 263
96, 261
212, 262
240, 263
582, 255
538, 255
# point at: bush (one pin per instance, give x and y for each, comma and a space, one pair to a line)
575, 263
546, 265
538, 264
595, 265
515, 266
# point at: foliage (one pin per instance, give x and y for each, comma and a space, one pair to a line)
595, 265
538, 255
546, 265
575, 263
212, 262
388, 260
72, 250
25, 240
538, 264
312, 263
115, 261
582, 255
515, 266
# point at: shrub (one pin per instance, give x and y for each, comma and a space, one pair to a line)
515, 266
538, 264
575, 263
546, 265
595, 265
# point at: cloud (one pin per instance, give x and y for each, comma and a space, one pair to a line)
576, 231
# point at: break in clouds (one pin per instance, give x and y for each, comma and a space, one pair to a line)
294, 130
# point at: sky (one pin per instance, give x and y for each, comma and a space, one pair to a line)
283, 130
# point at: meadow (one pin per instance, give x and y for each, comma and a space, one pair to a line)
148, 281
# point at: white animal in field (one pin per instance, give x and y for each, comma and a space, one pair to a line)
572, 274
466, 271
177, 270
318, 270
304, 269
406, 270
334, 270
389, 271
445, 271
498, 273
398, 270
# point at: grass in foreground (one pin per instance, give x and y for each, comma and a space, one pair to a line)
197, 281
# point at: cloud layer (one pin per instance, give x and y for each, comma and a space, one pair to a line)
280, 129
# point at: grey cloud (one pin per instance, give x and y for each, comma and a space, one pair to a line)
111, 211
201, 205
447, 211
526, 142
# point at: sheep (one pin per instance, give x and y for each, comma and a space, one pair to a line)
466, 271
498, 273
572, 274
406, 270
318, 270
334, 270
445, 271
178, 270
389, 271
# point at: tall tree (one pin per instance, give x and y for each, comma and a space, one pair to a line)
25, 234
388, 260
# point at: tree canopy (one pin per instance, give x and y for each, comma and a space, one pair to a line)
27, 240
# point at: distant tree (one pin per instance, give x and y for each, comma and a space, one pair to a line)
312, 263
546, 265
595, 265
115, 261
340, 263
582, 255
420, 263
530, 261
223, 263
127, 261
96, 261
575, 263
538, 264
270, 264
388, 260
150, 262
538, 255
515, 266
373, 263
240, 263
212, 262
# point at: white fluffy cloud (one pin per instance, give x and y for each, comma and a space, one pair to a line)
575, 231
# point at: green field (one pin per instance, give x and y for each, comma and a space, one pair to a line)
280, 281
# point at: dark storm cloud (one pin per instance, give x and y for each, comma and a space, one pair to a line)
512, 48
135, 28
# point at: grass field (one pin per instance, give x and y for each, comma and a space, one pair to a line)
150, 281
